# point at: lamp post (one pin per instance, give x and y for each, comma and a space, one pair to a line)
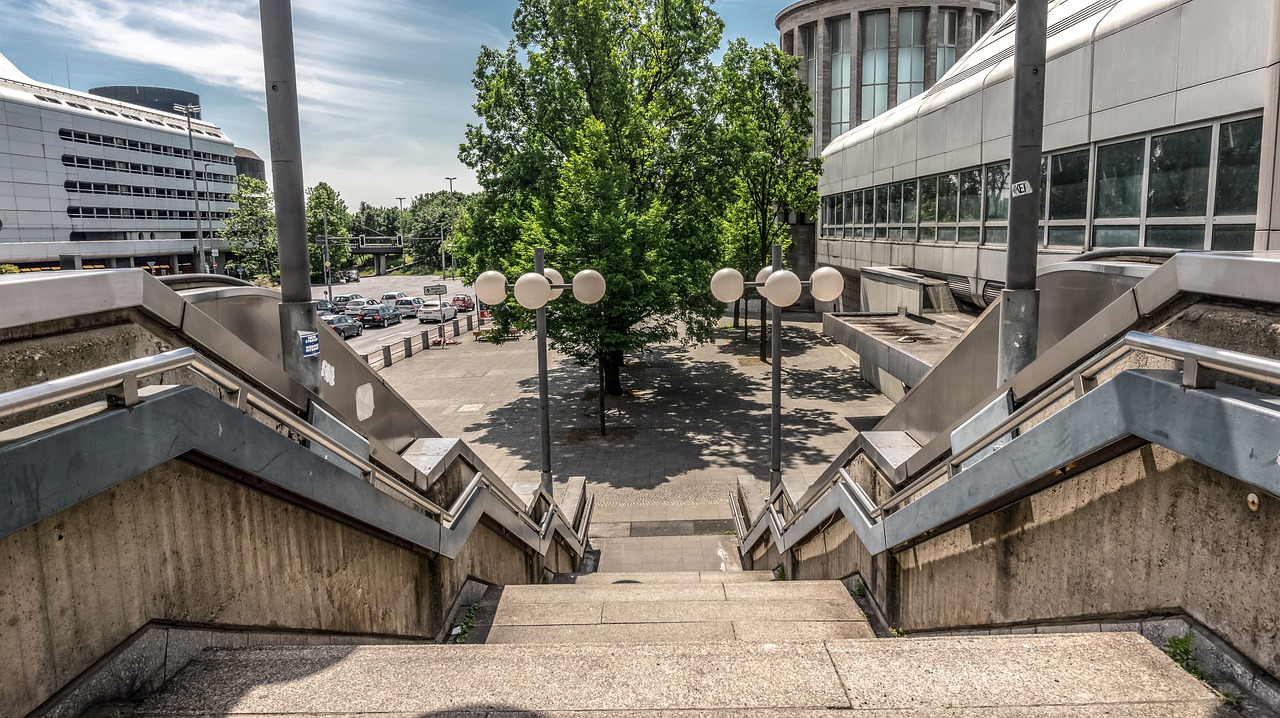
190, 110
451, 179
208, 203
533, 290
781, 288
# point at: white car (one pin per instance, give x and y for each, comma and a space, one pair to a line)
354, 306
343, 299
408, 306
436, 311
390, 298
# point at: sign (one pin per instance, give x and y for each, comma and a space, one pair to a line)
1021, 189
310, 344
214, 251
434, 289
486, 314
151, 263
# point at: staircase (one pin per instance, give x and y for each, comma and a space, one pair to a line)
725, 644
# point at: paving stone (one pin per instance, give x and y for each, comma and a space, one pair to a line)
781, 631
630, 633
789, 590
610, 593
546, 614
679, 611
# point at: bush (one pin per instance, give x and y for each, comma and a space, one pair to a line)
8, 269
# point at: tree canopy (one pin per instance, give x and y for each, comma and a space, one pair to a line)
250, 227
428, 218
326, 208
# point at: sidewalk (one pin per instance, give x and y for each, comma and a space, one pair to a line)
695, 418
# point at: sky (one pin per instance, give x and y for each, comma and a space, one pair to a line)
384, 85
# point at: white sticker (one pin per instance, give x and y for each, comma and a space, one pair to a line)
1021, 189
364, 401
328, 373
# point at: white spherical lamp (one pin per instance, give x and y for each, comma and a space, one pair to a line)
555, 278
491, 287
532, 291
826, 284
726, 285
761, 277
782, 288
588, 286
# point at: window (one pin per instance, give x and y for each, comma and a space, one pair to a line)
1239, 149
809, 70
997, 203
1119, 191
911, 26
947, 22
875, 64
947, 196
1068, 185
1179, 183
840, 75
979, 26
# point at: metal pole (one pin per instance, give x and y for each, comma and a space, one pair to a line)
297, 310
195, 194
1020, 300
208, 202
544, 404
775, 422
442, 253
328, 273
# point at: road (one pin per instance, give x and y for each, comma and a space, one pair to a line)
373, 287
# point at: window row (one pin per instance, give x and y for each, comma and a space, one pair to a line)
125, 190
138, 213
90, 138
1194, 188
126, 115
136, 168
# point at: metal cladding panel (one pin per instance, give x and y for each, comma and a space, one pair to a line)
54, 296
1070, 133
251, 313
964, 123
1242, 93
932, 139
215, 340
1134, 118
1137, 62
1068, 93
1103, 328
997, 111
1215, 44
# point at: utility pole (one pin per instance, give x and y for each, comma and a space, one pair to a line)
297, 310
1020, 300
328, 273
189, 110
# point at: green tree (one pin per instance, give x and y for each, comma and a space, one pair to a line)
598, 142
425, 219
325, 207
374, 221
767, 120
251, 227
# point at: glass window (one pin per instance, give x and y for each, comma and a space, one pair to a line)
969, 234
1069, 185
895, 204
1176, 236
998, 193
928, 234
1119, 192
929, 200
809, 71
882, 205
868, 207
1239, 148
1066, 236
838, 30
911, 27
1179, 183
979, 25
1233, 237
971, 196
947, 22
1109, 236
947, 195
998, 235
875, 64
946, 234
909, 203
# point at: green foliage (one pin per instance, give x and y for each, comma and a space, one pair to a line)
779, 573
325, 208
375, 221
1179, 649
251, 227
859, 588
424, 221
468, 622
8, 269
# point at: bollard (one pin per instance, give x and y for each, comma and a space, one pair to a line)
426, 339
456, 327
469, 327
408, 347
441, 333
386, 355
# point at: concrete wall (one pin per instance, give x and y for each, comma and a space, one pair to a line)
181, 544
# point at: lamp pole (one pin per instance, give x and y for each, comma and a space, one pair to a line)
451, 179
208, 203
189, 110
781, 288
533, 290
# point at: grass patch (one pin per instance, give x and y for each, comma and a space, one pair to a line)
468, 621
1179, 649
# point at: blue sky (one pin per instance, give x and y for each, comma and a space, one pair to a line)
385, 85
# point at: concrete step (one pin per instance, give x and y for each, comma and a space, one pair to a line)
668, 577
1112, 674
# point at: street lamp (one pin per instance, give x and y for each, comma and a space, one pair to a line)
451, 179
533, 290
208, 202
190, 110
782, 288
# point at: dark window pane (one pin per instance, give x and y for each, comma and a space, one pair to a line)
1115, 236
1176, 236
1069, 185
947, 195
882, 205
881, 231
928, 234
969, 234
909, 203
1233, 237
908, 234
946, 234
868, 207
1179, 184
895, 204
1239, 147
895, 233
1119, 191
929, 200
854, 209
1044, 185
998, 235
998, 192
971, 196
1066, 236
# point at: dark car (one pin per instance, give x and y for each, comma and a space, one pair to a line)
345, 326
352, 276
379, 314
324, 306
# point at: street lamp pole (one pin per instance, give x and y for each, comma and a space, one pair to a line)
775, 417
451, 179
189, 110
208, 203
533, 290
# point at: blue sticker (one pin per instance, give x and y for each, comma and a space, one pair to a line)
310, 343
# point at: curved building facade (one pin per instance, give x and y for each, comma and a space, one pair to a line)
160, 99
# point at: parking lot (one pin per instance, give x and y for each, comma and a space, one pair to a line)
374, 287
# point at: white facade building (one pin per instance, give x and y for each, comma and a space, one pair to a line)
87, 181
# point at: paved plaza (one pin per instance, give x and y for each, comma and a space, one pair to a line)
693, 420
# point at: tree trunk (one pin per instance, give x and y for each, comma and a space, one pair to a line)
600, 367
736, 304
613, 372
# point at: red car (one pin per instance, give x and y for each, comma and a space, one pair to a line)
464, 302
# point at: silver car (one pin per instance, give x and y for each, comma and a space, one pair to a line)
355, 306
408, 306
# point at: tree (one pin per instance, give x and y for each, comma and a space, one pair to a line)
767, 119
427, 215
374, 221
325, 207
251, 227
598, 142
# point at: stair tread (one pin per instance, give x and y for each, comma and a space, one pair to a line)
669, 577
628, 592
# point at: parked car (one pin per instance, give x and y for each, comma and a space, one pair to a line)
379, 314
352, 276
355, 306
343, 299
390, 298
324, 306
464, 302
408, 306
345, 326
436, 311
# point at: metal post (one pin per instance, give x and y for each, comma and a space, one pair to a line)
208, 203
297, 310
442, 272
1020, 300
328, 273
195, 193
775, 422
544, 404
